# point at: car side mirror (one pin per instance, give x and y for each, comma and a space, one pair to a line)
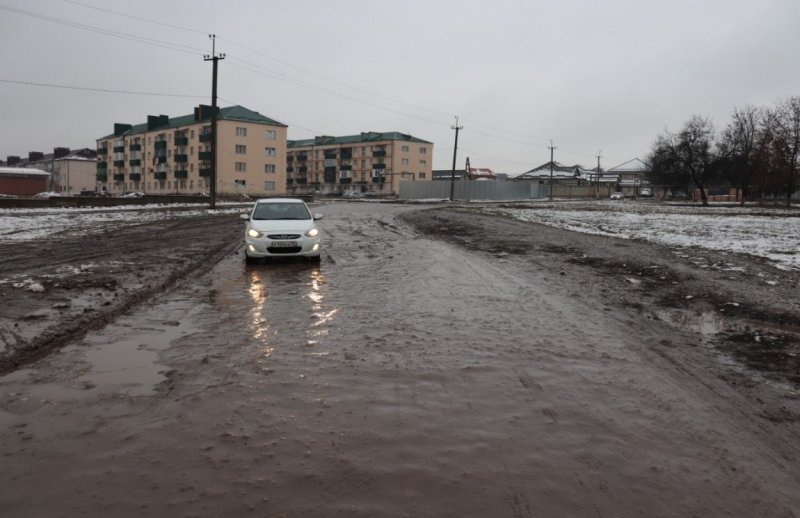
245, 217
318, 217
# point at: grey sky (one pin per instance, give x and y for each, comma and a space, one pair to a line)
591, 75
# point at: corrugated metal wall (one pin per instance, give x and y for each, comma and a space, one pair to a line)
469, 191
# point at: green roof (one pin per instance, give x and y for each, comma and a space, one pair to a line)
370, 136
231, 113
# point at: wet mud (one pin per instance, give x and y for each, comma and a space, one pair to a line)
435, 363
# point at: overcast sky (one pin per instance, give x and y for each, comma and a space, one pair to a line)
592, 75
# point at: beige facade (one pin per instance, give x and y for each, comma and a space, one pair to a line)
173, 155
371, 163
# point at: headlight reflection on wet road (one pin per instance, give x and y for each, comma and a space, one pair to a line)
274, 297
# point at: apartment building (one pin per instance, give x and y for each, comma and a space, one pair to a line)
370, 163
172, 155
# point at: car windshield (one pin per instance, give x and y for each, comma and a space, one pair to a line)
281, 211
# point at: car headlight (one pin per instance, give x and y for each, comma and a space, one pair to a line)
312, 232
254, 233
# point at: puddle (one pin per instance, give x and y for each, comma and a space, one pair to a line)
706, 323
130, 361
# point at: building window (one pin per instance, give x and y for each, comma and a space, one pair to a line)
192, 132
191, 151
421, 176
269, 186
241, 149
271, 151
240, 166
270, 134
404, 149
269, 168
240, 184
241, 132
404, 161
423, 150
423, 163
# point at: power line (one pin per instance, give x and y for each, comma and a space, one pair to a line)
104, 90
132, 17
271, 73
99, 30
287, 78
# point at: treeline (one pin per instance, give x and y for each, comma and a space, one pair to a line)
757, 153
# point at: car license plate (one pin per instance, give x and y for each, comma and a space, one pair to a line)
283, 244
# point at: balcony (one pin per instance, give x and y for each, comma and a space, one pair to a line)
181, 158
302, 169
135, 162
330, 154
161, 160
119, 149
102, 151
101, 176
290, 169
289, 181
330, 176
290, 158
119, 177
346, 154
181, 174
379, 153
346, 167
205, 172
302, 157
181, 141
378, 179
302, 181
379, 166
102, 165
160, 176
135, 177
204, 155
205, 137
160, 144
119, 163
345, 181
136, 147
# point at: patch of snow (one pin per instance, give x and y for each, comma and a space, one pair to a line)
760, 232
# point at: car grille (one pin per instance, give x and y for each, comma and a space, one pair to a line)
284, 250
284, 236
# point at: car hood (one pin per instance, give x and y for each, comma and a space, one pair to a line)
298, 226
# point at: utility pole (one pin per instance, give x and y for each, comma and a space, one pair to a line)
597, 177
551, 148
214, 58
455, 150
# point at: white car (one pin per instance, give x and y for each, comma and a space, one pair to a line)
616, 195
281, 227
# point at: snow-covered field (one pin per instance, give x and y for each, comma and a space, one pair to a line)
30, 224
770, 233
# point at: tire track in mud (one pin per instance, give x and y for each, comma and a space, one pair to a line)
155, 256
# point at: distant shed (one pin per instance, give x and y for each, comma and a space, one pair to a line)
21, 181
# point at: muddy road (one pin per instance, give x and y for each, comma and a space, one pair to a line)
436, 363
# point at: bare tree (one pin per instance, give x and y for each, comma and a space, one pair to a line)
694, 152
786, 143
742, 146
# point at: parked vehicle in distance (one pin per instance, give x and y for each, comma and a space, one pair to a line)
353, 194
646, 192
46, 195
134, 194
616, 195
281, 227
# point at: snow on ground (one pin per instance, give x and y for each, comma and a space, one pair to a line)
30, 224
770, 233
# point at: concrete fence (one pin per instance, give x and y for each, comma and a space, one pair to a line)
468, 190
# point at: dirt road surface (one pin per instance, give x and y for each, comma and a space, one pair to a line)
436, 363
